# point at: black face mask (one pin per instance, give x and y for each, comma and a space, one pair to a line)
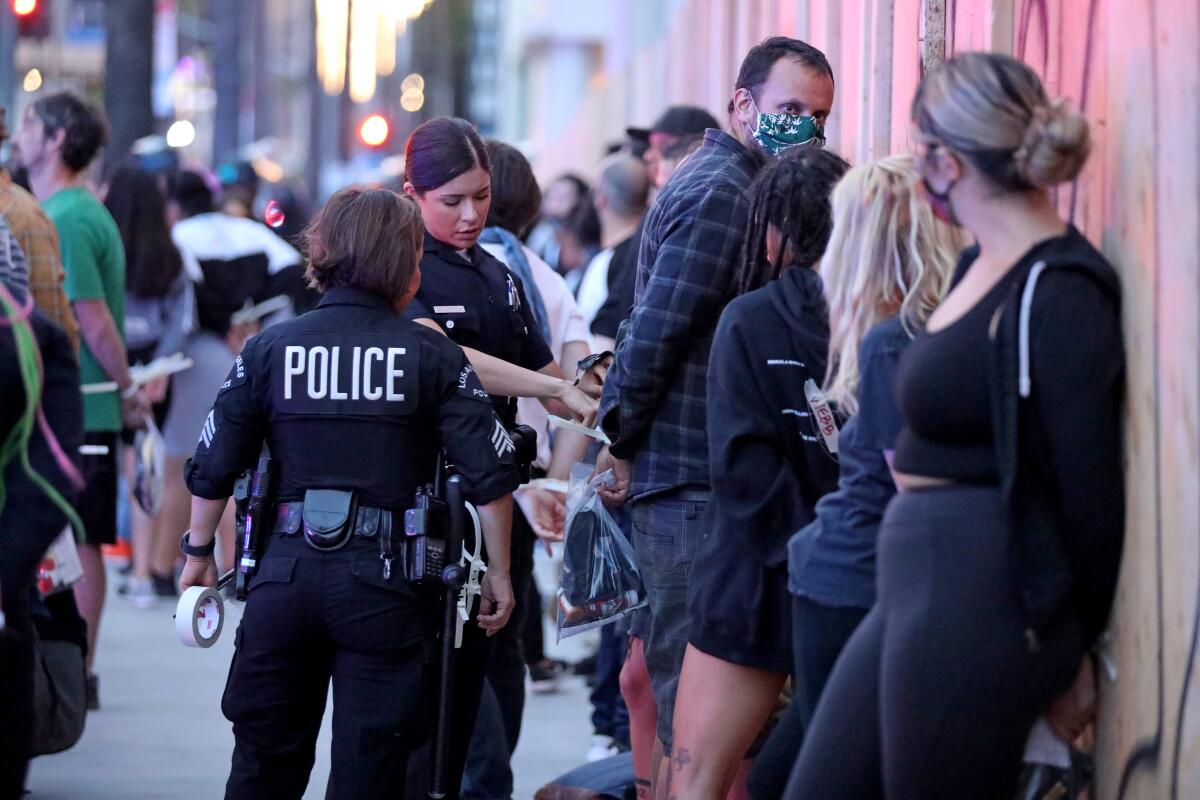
939, 203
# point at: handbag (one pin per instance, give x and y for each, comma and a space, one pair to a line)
59, 681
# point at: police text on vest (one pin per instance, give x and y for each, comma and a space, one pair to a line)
373, 374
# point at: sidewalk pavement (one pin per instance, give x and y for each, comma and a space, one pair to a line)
160, 735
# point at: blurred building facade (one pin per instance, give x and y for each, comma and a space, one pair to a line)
571, 76
244, 81
67, 50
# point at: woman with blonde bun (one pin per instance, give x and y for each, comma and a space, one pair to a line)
887, 266
998, 559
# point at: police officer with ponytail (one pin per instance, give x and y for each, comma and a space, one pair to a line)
474, 299
354, 404
468, 294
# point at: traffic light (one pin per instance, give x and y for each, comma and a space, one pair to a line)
33, 18
374, 131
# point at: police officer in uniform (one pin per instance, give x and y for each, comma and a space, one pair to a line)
352, 401
474, 299
468, 294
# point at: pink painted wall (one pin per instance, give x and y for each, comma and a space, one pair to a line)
1133, 66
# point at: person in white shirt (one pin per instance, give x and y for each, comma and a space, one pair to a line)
515, 199
620, 195
541, 513
234, 263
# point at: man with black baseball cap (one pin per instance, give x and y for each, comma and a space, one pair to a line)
674, 124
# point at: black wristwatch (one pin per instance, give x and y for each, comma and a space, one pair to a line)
202, 551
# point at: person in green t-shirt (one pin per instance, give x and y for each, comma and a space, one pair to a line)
60, 135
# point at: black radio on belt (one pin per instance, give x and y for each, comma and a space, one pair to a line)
425, 537
252, 505
524, 439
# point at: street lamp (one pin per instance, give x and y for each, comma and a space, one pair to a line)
368, 29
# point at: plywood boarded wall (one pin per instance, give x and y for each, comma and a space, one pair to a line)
1134, 68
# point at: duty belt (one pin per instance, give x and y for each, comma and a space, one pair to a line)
368, 521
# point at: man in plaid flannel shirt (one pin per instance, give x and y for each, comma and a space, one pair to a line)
654, 397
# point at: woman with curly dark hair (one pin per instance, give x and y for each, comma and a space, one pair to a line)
771, 459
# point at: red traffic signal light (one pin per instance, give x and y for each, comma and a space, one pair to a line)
33, 18
374, 131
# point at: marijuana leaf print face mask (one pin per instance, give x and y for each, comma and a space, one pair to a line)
776, 133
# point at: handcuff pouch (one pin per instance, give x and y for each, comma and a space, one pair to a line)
329, 517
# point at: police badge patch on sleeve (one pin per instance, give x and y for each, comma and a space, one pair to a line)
237, 375
502, 443
469, 385
210, 429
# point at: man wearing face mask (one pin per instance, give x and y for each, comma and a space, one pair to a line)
653, 404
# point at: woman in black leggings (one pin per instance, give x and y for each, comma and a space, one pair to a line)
998, 559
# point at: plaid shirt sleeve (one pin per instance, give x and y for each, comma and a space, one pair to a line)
38, 238
686, 288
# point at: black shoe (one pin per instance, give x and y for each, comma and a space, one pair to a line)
164, 585
93, 692
585, 666
543, 676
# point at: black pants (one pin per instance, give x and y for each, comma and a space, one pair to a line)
470, 668
819, 633
20, 551
97, 505
16, 675
533, 642
28, 524
311, 617
499, 660
936, 691
488, 774
610, 717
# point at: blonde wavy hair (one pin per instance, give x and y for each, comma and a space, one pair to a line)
887, 255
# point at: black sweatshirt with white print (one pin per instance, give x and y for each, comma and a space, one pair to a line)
769, 459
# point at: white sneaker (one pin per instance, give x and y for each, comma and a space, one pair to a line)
140, 592
602, 747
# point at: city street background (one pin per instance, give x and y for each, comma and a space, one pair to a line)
316, 94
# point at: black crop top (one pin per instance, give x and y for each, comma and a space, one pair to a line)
944, 392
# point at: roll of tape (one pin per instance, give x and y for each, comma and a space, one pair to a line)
200, 616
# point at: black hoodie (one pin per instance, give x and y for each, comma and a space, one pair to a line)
768, 461
1058, 369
